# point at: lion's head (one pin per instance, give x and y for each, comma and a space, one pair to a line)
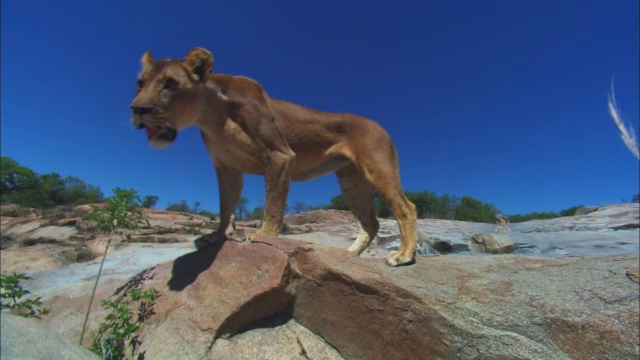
168, 97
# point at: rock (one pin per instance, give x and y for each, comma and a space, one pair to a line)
87, 208
287, 341
584, 210
19, 228
28, 339
31, 258
605, 218
332, 217
242, 299
242, 233
245, 283
14, 210
50, 234
68, 222
469, 307
256, 224
491, 243
288, 296
163, 238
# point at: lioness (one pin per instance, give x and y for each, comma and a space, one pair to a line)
246, 131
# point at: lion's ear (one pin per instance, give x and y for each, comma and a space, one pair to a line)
146, 60
200, 62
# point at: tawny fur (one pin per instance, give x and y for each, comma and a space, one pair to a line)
245, 131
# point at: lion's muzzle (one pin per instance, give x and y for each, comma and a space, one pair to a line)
159, 136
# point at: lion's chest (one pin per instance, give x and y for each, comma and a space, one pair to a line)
230, 147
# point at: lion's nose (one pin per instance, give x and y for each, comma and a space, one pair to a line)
141, 110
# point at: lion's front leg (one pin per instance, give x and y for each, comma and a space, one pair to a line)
230, 185
277, 179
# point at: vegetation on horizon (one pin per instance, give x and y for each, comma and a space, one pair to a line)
23, 186
20, 185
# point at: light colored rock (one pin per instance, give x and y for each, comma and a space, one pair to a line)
164, 238
584, 210
609, 217
469, 307
27, 339
288, 341
19, 228
500, 306
68, 222
38, 257
491, 243
52, 233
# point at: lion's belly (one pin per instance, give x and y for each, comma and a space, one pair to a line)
303, 171
239, 160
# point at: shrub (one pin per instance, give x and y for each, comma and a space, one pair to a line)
121, 325
10, 289
122, 211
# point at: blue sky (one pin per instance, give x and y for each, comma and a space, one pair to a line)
504, 101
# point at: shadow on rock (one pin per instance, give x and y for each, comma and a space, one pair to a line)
187, 267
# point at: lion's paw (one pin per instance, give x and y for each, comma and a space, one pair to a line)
397, 259
208, 240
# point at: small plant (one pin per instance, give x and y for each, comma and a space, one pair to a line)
120, 327
12, 290
122, 211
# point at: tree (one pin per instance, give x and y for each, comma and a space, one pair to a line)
382, 209
299, 207
470, 209
446, 205
570, 211
338, 202
76, 192
149, 201
14, 177
182, 206
241, 208
21, 185
636, 198
257, 214
426, 202
18, 184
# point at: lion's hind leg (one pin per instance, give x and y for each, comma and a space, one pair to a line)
382, 172
359, 194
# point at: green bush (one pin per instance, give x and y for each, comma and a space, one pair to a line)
10, 289
121, 325
23, 186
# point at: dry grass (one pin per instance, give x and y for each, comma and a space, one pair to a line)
626, 130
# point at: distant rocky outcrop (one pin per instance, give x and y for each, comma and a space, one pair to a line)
304, 296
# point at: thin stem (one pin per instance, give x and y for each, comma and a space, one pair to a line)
95, 286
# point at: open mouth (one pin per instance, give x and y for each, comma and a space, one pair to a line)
161, 133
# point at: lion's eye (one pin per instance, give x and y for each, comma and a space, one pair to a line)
140, 84
169, 84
